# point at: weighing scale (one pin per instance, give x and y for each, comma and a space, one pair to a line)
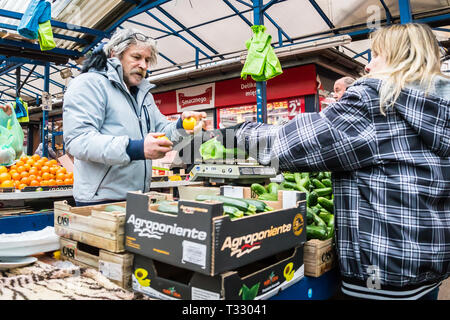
231, 172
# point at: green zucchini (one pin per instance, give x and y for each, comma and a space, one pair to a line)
114, 207
327, 182
326, 204
258, 189
233, 212
321, 192
260, 205
228, 201
316, 232
168, 208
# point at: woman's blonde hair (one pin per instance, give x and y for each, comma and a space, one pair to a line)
411, 53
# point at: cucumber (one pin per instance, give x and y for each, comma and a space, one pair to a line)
330, 232
258, 189
316, 232
228, 201
318, 221
289, 177
318, 184
309, 216
273, 187
327, 174
326, 217
114, 207
321, 192
327, 182
320, 176
311, 199
326, 204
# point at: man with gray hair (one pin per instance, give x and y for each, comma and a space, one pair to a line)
112, 126
340, 86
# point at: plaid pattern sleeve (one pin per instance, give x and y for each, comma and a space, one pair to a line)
391, 179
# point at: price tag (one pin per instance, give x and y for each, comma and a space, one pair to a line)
46, 101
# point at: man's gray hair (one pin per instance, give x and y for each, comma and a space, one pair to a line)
122, 39
348, 81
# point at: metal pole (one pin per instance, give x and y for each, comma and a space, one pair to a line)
18, 87
44, 137
261, 86
405, 11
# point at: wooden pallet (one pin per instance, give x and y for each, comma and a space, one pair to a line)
91, 225
117, 267
318, 257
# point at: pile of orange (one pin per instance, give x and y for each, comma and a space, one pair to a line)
34, 171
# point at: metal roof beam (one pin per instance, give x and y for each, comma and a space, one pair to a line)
178, 23
322, 14
405, 11
388, 12
42, 77
150, 27
236, 11
24, 89
177, 34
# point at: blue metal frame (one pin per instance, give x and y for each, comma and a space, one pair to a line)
405, 11
44, 137
261, 86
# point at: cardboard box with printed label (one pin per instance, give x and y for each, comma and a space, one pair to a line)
202, 239
258, 280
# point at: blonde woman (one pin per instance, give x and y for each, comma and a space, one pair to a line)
387, 144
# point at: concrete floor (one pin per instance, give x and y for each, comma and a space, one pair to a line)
444, 290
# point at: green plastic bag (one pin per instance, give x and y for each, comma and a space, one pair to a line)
11, 133
7, 153
213, 149
262, 63
46, 41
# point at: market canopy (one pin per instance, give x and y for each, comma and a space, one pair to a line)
193, 33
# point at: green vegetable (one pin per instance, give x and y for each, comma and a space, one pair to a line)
327, 175
233, 212
289, 177
228, 201
309, 216
330, 232
259, 205
273, 187
321, 192
326, 204
268, 197
316, 232
289, 185
320, 176
326, 217
213, 149
318, 184
258, 189
114, 207
304, 175
311, 199
318, 221
327, 182
166, 207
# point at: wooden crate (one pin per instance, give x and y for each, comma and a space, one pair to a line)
117, 267
318, 256
91, 225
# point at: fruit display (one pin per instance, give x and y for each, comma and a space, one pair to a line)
319, 199
34, 171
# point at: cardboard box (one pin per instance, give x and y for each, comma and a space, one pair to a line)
259, 280
200, 238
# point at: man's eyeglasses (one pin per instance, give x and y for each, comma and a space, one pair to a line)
139, 37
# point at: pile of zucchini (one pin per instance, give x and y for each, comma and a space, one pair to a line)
236, 207
319, 199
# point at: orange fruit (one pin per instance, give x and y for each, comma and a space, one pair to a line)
22, 185
27, 166
16, 184
60, 176
30, 162
34, 171
69, 174
53, 169
7, 184
38, 178
45, 176
44, 183
52, 182
25, 180
11, 172
189, 123
24, 158
20, 169
44, 159
34, 183
45, 169
59, 182
19, 163
53, 162
32, 177
16, 176
3, 169
13, 167
5, 176
35, 157
24, 174
61, 170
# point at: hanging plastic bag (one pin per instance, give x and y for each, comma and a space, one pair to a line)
21, 110
38, 11
7, 153
11, 134
46, 41
262, 63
